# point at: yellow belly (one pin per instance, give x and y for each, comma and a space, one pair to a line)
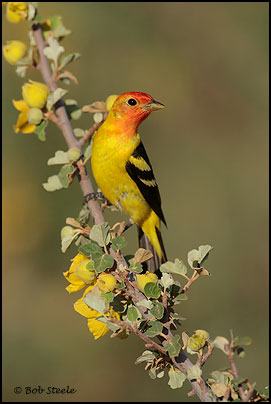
108, 166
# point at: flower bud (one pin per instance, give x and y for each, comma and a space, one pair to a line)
106, 282
35, 94
203, 334
84, 273
14, 51
73, 154
110, 101
196, 342
142, 280
34, 116
16, 12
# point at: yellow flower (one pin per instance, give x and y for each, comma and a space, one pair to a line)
22, 124
14, 51
16, 12
86, 276
110, 101
106, 282
35, 94
142, 280
96, 327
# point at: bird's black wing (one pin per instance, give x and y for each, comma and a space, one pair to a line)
140, 170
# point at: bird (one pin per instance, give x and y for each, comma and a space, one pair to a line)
123, 172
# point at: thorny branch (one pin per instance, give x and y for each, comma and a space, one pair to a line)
60, 118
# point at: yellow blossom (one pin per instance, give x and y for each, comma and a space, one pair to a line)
71, 275
16, 12
106, 282
96, 327
22, 124
142, 280
13, 51
110, 101
35, 94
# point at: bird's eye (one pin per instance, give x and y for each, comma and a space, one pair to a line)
132, 101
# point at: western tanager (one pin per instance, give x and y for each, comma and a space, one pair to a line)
124, 173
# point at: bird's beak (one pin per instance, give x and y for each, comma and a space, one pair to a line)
153, 106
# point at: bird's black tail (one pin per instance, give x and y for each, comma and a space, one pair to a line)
153, 264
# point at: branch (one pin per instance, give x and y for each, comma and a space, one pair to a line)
64, 123
181, 362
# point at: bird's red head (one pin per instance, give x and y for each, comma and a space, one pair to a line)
134, 106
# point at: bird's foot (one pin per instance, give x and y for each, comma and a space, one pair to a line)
96, 196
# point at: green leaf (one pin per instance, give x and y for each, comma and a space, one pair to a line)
57, 26
40, 130
90, 266
157, 310
135, 266
239, 380
246, 341
73, 110
142, 255
176, 267
118, 243
219, 377
53, 184
166, 280
68, 59
87, 152
21, 70
54, 97
177, 316
160, 374
154, 328
133, 314
108, 296
60, 157
67, 241
145, 303
196, 257
152, 291
91, 249
180, 297
194, 373
64, 173
112, 326
100, 233
176, 378
101, 264
53, 50
147, 356
220, 343
152, 373
174, 347
95, 303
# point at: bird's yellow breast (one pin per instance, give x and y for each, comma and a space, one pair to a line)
108, 160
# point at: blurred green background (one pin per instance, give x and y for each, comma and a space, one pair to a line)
208, 62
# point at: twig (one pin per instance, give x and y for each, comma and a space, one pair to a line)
148, 340
89, 133
63, 122
230, 354
190, 282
